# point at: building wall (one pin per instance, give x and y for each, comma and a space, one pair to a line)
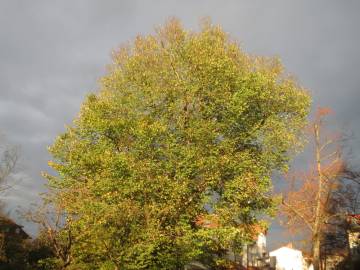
288, 259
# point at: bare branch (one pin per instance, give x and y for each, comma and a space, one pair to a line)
304, 219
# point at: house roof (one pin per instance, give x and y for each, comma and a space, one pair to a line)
354, 222
284, 249
6, 222
355, 218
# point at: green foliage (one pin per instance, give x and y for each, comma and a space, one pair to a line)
186, 127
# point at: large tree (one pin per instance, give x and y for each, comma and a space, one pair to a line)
186, 127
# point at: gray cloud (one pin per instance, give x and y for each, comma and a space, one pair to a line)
53, 52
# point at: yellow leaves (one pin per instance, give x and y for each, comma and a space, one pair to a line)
183, 119
51, 164
171, 33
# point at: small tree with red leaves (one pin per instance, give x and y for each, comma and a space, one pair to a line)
315, 197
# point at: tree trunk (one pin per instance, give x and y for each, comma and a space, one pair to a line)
316, 252
318, 213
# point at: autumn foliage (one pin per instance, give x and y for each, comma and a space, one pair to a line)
317, 200
185, 126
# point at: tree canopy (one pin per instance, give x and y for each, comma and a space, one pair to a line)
172, 159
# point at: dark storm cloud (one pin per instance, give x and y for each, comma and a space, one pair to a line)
53, 52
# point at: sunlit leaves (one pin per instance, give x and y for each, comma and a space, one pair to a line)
185, 125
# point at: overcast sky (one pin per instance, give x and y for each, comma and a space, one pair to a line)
53, 52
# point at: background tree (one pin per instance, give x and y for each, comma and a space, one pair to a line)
52, 248
319, 199
186, 125
12, 238
344, 201
8, 161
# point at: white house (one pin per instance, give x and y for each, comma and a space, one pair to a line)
288, 258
